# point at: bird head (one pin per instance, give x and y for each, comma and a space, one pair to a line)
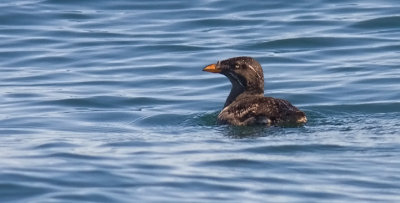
243, 72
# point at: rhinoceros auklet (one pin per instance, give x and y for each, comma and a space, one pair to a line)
246, 104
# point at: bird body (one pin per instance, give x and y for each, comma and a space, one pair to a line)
246, 104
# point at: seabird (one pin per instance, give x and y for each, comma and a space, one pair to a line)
246, 104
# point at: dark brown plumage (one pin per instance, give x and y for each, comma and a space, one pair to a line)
246, 104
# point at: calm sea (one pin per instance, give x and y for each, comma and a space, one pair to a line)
105, 101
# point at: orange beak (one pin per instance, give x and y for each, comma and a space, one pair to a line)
212, 68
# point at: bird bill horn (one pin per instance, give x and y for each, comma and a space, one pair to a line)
212, 68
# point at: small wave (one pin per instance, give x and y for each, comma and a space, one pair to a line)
311, 42
233, 163
391, 22
11, 191
393, 107
55, 145
103, 102
296, 148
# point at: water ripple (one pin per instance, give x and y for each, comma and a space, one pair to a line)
390, 22
106, 101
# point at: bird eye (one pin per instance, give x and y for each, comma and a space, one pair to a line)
237, 66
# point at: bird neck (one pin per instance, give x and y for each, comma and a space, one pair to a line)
239, 91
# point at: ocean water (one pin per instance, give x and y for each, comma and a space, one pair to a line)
105, 101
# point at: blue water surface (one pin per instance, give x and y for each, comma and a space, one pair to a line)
105, 101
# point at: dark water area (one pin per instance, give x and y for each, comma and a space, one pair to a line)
105, 101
